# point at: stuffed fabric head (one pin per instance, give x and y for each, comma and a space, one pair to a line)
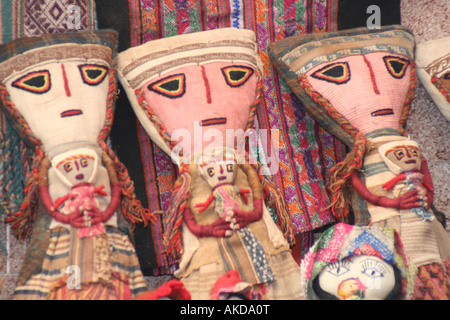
58, 91
193, 87
354, 262
433, 71
356, 83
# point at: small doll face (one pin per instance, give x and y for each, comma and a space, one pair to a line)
405, 157
368, 90
359, 277
205, 100
219, 172
77, 169
62, 101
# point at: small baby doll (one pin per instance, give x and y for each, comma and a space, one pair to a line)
404, 159
80, 207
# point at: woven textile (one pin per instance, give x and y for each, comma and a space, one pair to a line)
306, 151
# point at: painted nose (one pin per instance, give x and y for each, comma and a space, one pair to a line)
207, 86
372, 76
66, 82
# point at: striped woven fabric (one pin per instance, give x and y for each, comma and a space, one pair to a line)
306, 151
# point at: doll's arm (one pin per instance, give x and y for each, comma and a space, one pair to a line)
407, 201
242, 218
243, 193
427, 182
218, 229
205, 204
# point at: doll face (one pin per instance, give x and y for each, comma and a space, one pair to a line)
368, 90
405, 157
203, 100
62, 101
78, 169
219, 172
359, 277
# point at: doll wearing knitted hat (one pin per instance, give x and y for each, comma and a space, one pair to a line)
356, 263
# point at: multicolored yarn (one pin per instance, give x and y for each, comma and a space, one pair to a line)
443, 89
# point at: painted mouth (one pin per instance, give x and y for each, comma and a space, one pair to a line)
79, 176
71, 112
382, 112
221, 178
410, 161
213, 122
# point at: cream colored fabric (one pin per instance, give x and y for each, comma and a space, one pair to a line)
433, 60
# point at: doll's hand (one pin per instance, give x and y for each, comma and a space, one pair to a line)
409, 200
218, 229
243, 218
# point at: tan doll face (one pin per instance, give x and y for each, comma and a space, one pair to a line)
62, 101
362, 277
78, 169
405, 157
219, 172
368, 90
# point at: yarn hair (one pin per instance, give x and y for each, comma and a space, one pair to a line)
340, 185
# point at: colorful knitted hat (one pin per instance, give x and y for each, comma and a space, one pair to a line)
343, 241
139, 65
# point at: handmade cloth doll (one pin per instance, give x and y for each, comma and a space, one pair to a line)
358, 84
433, 71
59, 92
194, 93
404, 159
356, 263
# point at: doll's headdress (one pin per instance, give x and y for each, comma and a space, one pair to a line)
138, 65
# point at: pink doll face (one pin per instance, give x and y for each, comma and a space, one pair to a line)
405, 157
203, 100
77, 169
62, 101
365, 277
368, 90
219, 172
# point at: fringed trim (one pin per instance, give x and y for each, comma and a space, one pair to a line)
408, 99
444, 90
131, 207
275, 198
22, 221
174, 216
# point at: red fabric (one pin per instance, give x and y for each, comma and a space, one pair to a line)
174, 289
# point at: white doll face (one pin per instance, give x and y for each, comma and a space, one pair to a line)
405, 157
77, 169
361, 277
219, 172
62, 101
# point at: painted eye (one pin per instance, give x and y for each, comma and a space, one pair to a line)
230, 167
173, 86
236, 76
210, 172
68, 167
396, 66
35, 82
84, 162
337, 73
415, 152
93, 74
374, 269
399, 154
338, 268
